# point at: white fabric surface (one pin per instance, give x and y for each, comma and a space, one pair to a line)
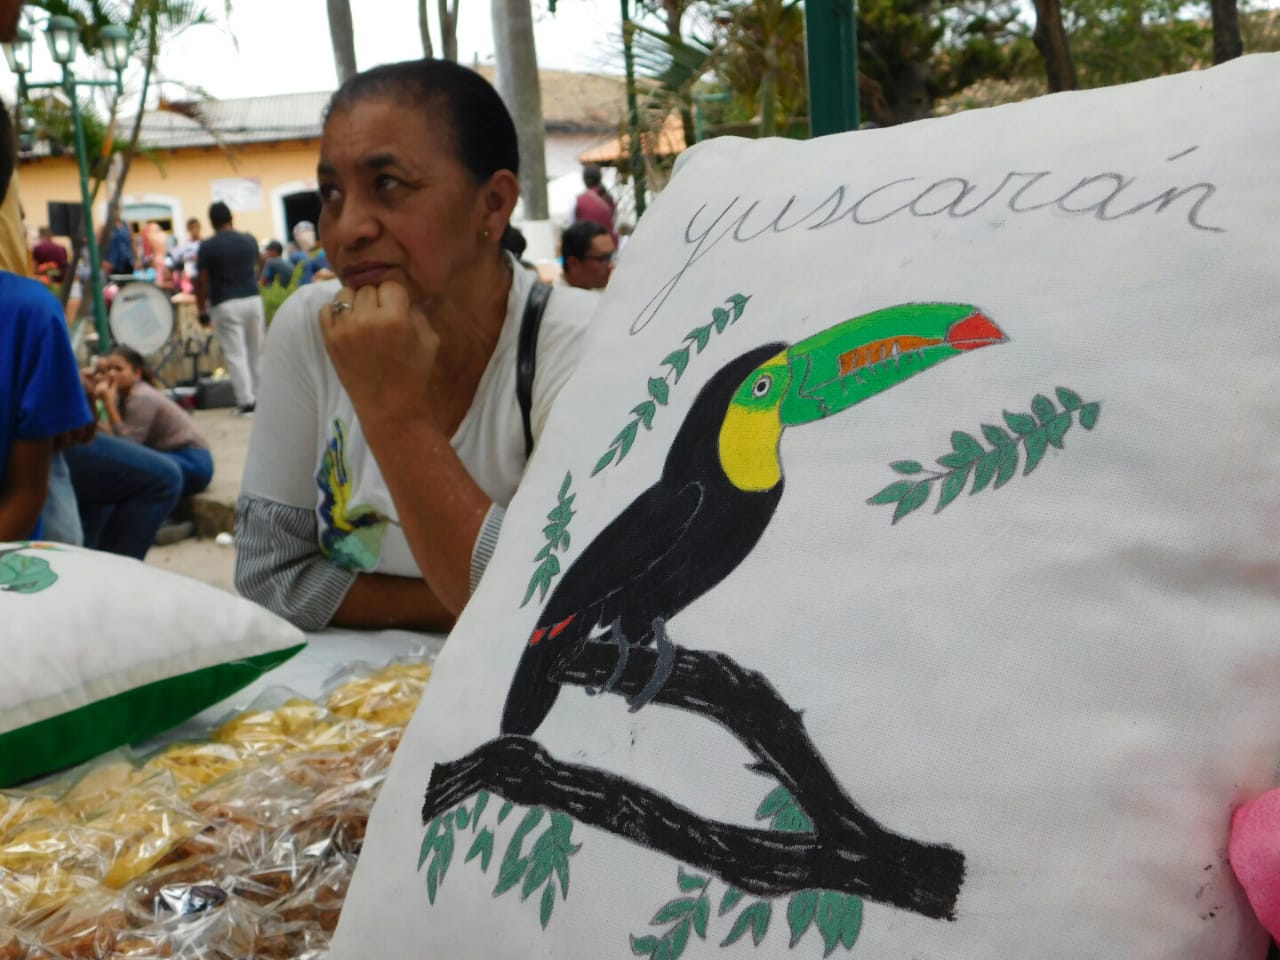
108, 624
1069, 676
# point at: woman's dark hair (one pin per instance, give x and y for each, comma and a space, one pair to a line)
483, 135
134, 359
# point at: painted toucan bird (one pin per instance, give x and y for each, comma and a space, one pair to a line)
720, 485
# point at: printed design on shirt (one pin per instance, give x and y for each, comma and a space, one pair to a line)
350, 534
611, 626
21, 573
1034, 432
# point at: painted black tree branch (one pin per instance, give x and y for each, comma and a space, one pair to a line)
847, 851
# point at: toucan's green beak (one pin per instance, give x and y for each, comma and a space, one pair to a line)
854, 360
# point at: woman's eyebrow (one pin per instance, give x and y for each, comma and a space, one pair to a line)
375, 161
378, 161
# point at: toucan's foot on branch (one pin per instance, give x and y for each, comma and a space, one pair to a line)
624, 648
661, 671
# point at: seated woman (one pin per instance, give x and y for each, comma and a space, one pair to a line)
137, 411
388, 436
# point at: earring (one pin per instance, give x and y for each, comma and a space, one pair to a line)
485, 234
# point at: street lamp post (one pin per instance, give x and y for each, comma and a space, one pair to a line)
64, 37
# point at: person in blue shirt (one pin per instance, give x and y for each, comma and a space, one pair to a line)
41, 396
119, 258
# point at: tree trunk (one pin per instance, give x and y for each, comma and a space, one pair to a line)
1050, 37
1227, 44
517, 76
424, 29
769, 93
448, 29
343, 36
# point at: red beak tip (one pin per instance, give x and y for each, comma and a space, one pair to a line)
974, 331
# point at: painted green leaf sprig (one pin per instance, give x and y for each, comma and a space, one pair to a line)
685, 914
545, 866
660, 387
546, 862
838, 916
1031, 433
557, 534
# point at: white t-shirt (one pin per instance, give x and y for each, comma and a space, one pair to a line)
308, 449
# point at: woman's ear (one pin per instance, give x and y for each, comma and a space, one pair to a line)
499, 198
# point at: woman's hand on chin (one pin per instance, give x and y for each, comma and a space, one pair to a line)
383, 349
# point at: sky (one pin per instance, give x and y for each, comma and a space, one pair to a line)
283, 46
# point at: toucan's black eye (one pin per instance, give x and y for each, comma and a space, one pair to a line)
761, 387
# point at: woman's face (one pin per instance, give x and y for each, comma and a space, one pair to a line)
119, 373
398, 205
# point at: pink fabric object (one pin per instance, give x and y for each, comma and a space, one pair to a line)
1255, 856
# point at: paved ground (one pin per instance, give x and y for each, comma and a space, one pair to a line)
202, 557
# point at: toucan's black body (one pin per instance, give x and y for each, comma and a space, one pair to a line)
672, 544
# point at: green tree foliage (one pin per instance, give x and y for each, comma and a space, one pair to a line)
919, 57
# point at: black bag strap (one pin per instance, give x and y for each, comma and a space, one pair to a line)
527, 355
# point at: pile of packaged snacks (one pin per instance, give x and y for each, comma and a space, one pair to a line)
239, 847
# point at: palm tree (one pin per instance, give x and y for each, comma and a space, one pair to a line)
518, 85
343, 36
448, 13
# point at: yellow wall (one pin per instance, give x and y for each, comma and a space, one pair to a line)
183, 180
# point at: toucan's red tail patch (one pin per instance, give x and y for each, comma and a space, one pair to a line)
552, 632
974, 331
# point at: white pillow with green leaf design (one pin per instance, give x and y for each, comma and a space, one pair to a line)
897, 577
103, 650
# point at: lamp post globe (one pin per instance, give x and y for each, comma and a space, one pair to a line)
18, 53
114, 41
64, 36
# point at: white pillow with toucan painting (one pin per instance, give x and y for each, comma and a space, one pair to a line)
897, 577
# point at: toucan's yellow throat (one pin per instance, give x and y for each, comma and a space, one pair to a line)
752, 428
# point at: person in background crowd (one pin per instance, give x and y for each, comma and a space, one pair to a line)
594, 203
120, 491
137, 411
389, 436
118, 258
50, 252
308, 252
41, 402
228, 297
275, 268
586, 255
184, 256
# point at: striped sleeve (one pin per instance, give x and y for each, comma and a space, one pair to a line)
486, 543
279, 564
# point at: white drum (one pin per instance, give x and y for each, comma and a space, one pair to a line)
141, 317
